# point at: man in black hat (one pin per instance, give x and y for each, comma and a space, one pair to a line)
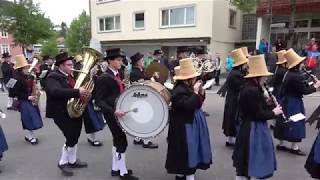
45, 69
137, 74
157, 55
59, 89
7, 71
108, 88
182, 53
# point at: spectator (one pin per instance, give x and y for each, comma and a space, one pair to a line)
263, 46
217, 71
271, 59
229, 63
312, 45
279, 45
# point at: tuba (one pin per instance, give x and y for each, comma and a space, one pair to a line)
76, 106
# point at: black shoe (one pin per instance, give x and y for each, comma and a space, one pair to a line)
32, 141
10, 108
150, 145
217, 84
95, 143
206, 114
117, 173
297, 152
228, 144
180, 177
128, 177
282, 148
78, 164
272, 127
65, 169
140, 142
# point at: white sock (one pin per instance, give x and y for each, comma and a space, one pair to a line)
241, 178
231, 139
190, 177
294, 146
29, 134
72, 154
92, 136
64, 155
146, 141
10, 101
121, 162
137, 139
281, 142
114, 160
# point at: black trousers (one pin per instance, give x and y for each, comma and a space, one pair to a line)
71, 129
119, 137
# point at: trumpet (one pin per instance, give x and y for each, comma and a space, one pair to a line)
312, 76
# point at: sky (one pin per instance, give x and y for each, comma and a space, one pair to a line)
63, 10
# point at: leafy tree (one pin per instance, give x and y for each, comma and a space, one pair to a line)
79, 33
245, 5
49, 47
25, 22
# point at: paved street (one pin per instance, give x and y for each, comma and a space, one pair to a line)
24, 161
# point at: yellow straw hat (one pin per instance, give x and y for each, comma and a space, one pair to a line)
245, 51
257, 67
176, 72
187, 70
239, 57
20, 62
281, 58
293, 59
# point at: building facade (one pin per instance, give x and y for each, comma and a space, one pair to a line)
160, 24
7, 44
273, 17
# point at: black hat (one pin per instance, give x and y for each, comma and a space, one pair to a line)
46, 57
61, 58
157, 52
114, 53
6, 55
182, 49
136, 57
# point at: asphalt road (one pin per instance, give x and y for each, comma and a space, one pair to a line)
24, 161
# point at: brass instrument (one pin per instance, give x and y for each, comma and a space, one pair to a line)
35, 88
157, 71
126, 77
203, 65
76, 106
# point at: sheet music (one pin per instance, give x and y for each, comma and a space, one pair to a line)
208, 84
11, 83
297, 117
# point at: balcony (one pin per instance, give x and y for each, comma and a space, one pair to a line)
283, 7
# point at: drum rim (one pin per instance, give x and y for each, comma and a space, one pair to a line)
166, 108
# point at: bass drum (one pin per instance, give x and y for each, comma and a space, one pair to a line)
146, 105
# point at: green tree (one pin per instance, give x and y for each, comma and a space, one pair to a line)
64, 29
25, 21
79, 33
49, 47
246, 6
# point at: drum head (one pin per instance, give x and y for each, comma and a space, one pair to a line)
151, 115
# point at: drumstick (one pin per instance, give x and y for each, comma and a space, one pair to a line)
132, 110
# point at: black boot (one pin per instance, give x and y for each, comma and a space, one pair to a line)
65, 170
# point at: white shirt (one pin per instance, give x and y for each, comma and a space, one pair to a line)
63, 73
115, 72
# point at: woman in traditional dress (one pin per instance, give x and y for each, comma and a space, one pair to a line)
188, 137
22, 89
253, 155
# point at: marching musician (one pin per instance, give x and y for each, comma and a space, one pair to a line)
313, 162
59, 90
157, 55
3, 141
108, 88
7, 70
45, 69
92, 117
28, 107
253, 154
234, 82
137, 74
182, 53
293, 90
188, 136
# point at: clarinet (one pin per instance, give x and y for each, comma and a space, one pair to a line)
314, 78
274, 99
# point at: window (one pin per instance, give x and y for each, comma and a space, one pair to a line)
109, 24
177, 17
249, 27
3, 34
4, 48
315, 35
301, 24
315, 23
232, 18
138, 21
